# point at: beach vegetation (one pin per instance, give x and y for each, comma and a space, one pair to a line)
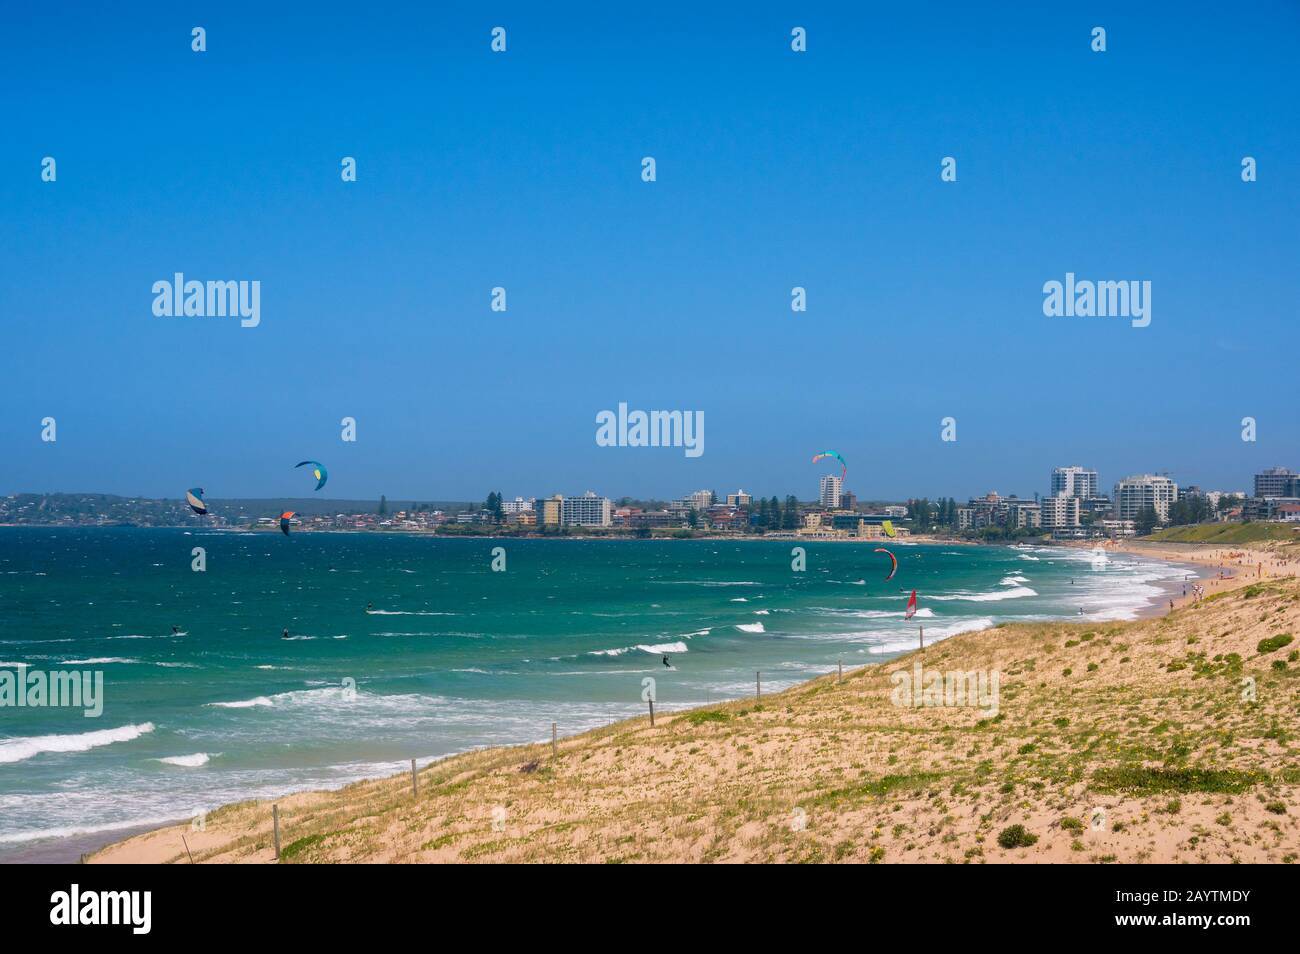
1273, 643
702, 716
1145, 780
296, 849
1016, 836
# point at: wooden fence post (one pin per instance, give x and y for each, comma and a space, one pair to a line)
275, 823
415, 781
555, 748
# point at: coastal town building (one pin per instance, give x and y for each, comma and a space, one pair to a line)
648, 519
699, 501
1061, 512
994, 510
829, 495
1117, 528
1277, 482
739, 499
1134, 494
550, 512
1022, 514
1074, 481
1269, 508
589, 510
726, 517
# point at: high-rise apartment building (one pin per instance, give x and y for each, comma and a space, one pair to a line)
1134, 494
1074, 481
830, 491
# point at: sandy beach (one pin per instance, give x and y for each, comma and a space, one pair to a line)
1165, 739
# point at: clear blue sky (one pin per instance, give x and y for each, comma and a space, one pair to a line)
775, 169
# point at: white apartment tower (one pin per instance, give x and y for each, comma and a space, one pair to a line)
589, 510
1134, 494
830, 491
1074, 482
1060, 511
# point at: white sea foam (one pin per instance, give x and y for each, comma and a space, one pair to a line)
750, 627
708, 582
1010, 593
243, 703
186, 761
98, 661
923, 612
21, 748
659, 649
375, 612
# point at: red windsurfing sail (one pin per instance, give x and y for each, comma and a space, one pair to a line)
911, 606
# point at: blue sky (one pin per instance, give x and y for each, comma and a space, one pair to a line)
522, 169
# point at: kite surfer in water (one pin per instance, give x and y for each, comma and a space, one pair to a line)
667, 663
285, 634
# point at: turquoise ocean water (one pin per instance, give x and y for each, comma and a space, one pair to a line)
454, 656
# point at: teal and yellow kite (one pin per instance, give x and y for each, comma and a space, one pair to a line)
318, 471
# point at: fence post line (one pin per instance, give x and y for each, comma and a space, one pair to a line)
841, 676
652, 713
922, 637
415, 781
758, 686
555, 748
275, 824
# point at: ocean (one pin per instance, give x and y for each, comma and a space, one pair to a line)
452, 656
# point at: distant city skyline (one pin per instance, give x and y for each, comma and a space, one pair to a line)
376, 299
1276, 480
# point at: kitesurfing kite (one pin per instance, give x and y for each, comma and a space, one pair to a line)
844, 468
317, 470
893, 558
911, 606
194, 497
888, 527
284, 521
